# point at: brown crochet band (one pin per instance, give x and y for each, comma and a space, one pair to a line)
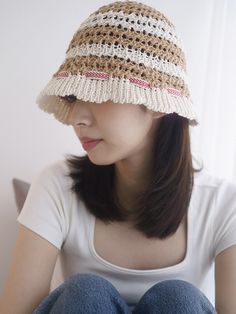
126, 52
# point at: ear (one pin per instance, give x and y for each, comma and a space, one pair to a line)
158, 114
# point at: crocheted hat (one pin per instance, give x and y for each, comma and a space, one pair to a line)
126, 52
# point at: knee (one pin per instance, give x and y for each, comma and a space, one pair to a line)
177, 287
178, 290
93, 283
176, 294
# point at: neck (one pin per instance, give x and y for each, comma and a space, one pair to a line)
129, 182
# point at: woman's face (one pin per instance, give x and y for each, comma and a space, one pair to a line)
125, 129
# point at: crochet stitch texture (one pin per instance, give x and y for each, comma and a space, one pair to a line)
127, 52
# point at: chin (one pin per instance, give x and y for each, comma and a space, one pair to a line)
100, 161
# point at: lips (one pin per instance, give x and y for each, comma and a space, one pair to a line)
90, 144
88, 139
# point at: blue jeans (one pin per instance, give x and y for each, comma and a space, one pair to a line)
91, 294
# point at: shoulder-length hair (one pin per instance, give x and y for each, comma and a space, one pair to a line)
161, 207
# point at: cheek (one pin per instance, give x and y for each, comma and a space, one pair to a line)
122, 123
127, 130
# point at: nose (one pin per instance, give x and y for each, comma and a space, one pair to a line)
80, 115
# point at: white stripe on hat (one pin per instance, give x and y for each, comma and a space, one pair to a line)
126, 53
153, 26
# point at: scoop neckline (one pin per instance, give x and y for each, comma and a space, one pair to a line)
140, 271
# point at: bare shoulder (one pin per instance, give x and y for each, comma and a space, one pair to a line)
225, 281
30, 273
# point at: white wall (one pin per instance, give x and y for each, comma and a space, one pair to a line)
34, 37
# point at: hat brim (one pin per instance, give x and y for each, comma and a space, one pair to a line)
118, 90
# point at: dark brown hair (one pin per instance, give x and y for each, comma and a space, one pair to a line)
162, 206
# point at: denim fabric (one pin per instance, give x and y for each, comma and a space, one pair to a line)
91, 294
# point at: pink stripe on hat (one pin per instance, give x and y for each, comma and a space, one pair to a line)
140, 83
97, 75
174, 92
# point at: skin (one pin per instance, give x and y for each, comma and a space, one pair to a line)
127, 134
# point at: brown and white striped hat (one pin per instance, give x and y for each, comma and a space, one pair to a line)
126, 52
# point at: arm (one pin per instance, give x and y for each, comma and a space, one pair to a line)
29, 278
225, 281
